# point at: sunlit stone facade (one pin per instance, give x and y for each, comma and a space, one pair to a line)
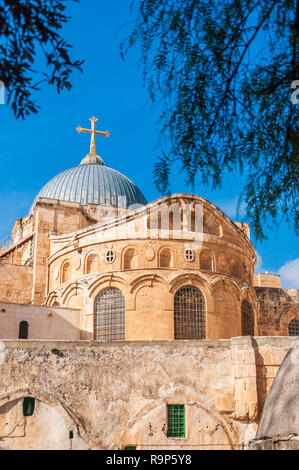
153, 304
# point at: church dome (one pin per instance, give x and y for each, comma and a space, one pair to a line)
92, 182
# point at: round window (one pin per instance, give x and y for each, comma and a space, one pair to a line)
110, 256
189, 255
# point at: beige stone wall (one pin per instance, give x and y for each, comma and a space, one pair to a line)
59, 255
267, 280
150, 266
277, 307
15, 283
286, 442
44, 322
116, 394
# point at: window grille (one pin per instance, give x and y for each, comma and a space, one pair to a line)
28, 406
189, 255
110, 315
110, 256
176, 421
189, 314
294, 327
247, 319
23, 330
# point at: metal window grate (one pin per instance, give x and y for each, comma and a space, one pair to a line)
189, 314
294, 327
110, 315
176, 421
247, 319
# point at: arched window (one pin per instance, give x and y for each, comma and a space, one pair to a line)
110, 315
293, 327
23, 330
247, 319
206, 261
189, 314
166, 258
192, 228
234, 267
130, 259
170, 220
92, 264
66, 272
159, 221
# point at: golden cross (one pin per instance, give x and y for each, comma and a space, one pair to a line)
92, 131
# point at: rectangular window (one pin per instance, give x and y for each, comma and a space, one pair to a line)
28, 406
176, 421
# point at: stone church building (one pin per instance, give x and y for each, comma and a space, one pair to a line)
134, 324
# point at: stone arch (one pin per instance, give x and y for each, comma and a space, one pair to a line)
109, 315
52, 298
72, 289
91, 263
287, 316
227, 280
190, 279
208, 423
130, 258
66, 271
48, 407
206, 261
107, 280
166, 257
146, 279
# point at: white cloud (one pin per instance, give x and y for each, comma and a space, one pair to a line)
289, 274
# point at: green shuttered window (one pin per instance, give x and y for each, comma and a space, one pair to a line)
176, 421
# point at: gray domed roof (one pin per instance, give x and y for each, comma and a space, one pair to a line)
92, 182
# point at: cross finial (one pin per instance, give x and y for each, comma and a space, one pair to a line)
93, 132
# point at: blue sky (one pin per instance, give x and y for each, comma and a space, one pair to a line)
35, 150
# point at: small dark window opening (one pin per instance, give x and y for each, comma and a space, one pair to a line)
130, 448
71, 434
23, 330
28, 406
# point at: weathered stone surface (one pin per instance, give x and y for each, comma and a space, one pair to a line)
116, 394
43, 322
280, 414
288, 442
